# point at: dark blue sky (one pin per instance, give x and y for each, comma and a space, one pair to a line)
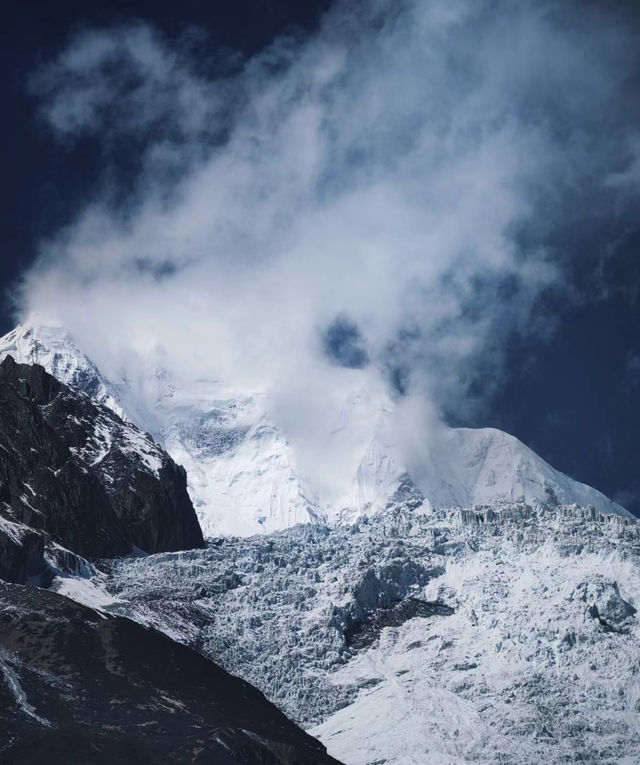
47, 182
572, 394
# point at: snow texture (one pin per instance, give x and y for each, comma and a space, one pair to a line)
459, 636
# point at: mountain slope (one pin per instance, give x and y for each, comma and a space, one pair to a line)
485, 466
56, 351
80, 686
240, 467
247, 475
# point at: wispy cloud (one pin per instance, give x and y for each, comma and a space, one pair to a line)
395, 188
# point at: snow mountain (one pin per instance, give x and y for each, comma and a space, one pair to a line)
450, 600
246, 474
78, 483
55, 350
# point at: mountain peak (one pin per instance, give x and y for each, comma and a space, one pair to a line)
54, 348
248, 474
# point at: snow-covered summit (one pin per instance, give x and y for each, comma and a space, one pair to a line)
55, 350
486, 466
248, 473
239, 464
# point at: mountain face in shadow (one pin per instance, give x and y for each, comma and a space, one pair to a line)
77, 685
74, 475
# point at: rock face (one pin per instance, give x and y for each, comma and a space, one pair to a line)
72, 473
79, 686
22, 552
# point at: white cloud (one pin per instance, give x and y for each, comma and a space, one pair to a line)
383, 169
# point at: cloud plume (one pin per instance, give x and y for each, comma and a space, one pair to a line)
387, 199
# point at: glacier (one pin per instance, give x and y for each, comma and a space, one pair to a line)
459, 636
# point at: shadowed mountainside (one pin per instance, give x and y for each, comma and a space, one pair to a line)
73, 474
79, 686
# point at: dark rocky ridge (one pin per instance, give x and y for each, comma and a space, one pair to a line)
73, 473
79, 686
